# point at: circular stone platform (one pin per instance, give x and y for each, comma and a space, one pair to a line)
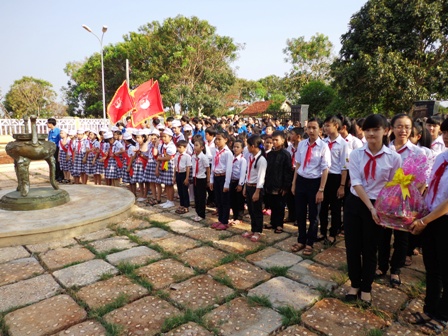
90, 209
37, 199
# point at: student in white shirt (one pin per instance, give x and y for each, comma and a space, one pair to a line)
296, 135
253, 190
313, 159
435, 249
182, 166
433, 125
210, 134
239, 167
371, 167
201, 177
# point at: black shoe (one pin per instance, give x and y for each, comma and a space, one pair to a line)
321, 238
288, 220
395, 283
352, 297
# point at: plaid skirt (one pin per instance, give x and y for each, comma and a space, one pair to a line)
112, 170
65, 165
139, 172
78, 167
99, 166
126, 177
150, 172
90, 167
166, 176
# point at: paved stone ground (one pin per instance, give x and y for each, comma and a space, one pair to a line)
157, 273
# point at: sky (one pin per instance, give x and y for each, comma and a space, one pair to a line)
39, 37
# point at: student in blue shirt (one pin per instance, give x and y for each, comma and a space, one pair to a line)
54, 136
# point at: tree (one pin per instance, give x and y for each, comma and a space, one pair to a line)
310, 61
29, 96
191, 62
394, 53
319, 96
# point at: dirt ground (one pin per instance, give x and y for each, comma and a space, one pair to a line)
5, 158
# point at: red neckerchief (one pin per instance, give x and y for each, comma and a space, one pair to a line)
371, 163
196, 170
308, 154
251, 162
330, 144
434, 186
128, 159
293, 156
217, 157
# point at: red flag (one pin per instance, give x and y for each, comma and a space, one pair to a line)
148, 102
120, 104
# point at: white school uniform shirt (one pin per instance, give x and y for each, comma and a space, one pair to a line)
92, 145
292, 151
182, 163
202, 163
224, 165
353, 142
177, 138
117, 146
339, 154
210, 149
407, 149
239, 167
256, 174
438, 146
131, 150
169, 149
320, 159
190, 148
442, 191
246, 154
386, 165
363, 140
82, 147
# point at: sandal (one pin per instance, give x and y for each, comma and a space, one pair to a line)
151, 201
379, 274
418, 318
268, 227
278, 230
256, 237
394, 282
433, 327
222, 227
408, 261
247, 235
297, 247
197, 219
180, 210
307, 251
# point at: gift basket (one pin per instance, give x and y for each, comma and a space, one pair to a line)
400, 202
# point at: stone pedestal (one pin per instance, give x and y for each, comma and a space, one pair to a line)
37, 199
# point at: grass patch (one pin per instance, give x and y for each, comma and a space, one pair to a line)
126, 268
122, 231
160, 225
278, 270
415, 290
290, 316
374, 332
255, 250
120, 301
343, 268
103, 255
112, 329
325, 293
189, 316
340, 279
106, 276
163, 295
223, 279
229, 258
256, 300
73, 264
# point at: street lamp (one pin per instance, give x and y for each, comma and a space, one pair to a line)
104, 29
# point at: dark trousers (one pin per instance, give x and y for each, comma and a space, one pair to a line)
255, 209
236, 200
222, 199
306, 190
277, 210
200, 194
291, 204
400, 248
331, 201
267, 201
361, 241
435, 257
182, 189
414, 242
211, 194
59, 173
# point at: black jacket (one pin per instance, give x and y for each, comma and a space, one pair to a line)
279, 172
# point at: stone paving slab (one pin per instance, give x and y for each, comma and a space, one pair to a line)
60, 257
282, 291
417, 263
183, 226
178, 244
153, 234
27, 291
242, 274
43, 247
132, 223
85, 273
142, 317
163, 217
87, 328
411, 277
263, 254
101, 234
189, 329
238, 318
12, 253
204, 257
333, 256
114, 243
237, 228
199, 292
46, 317
296, 330
208, 234
397, 329
415, 305
236, 244
19, 269
164, 272
332, 317
279, 259
286, 244
270, 237
139, 255
145, 212
315, 275
104, 292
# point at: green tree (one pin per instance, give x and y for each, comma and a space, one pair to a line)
191, 62
319, 96
29, 96
394, 53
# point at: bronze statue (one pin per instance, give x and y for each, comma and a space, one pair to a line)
29, 147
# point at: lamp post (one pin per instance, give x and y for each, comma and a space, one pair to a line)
104, 29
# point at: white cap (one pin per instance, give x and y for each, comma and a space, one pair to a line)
155, 132
104, 129
140, 132
188, 127
168, 131
146, 131
80, 131
127, 136
160, 126
134, 131
71, 132
175, 123
114, 128
108, 135
93, 131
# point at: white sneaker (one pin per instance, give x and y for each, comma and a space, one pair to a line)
141, 199
168, 204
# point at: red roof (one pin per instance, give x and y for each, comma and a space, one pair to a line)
257, 108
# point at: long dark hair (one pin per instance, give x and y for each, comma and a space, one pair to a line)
255, 140
375, 121
420, 129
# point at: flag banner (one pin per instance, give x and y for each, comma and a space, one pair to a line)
120, 104
148, 102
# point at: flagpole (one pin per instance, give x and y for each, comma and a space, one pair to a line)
127, 72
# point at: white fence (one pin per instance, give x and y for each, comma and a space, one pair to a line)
13, 126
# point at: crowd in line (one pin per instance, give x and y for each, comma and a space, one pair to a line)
337, 167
